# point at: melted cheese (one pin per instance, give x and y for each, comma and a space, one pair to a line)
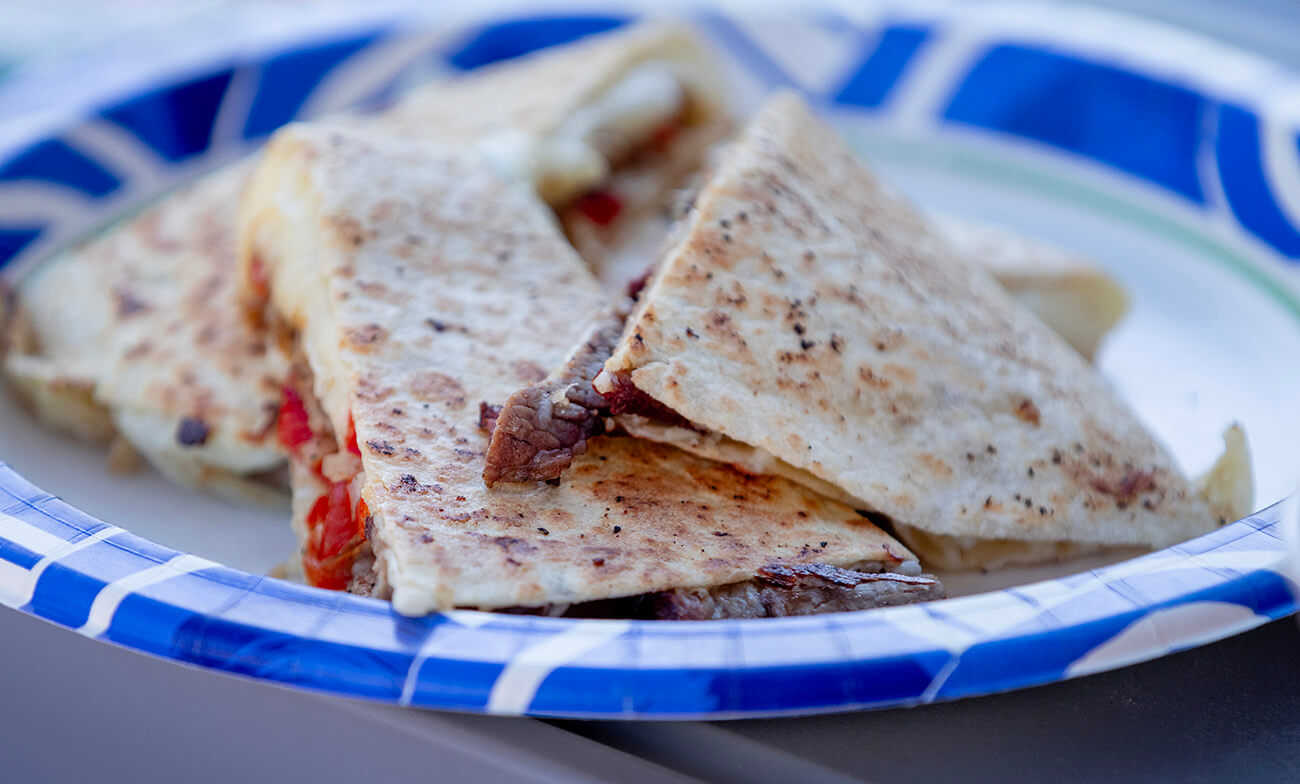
578, 155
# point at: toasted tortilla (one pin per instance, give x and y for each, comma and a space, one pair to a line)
420, 282
808, 313
1069, 293
137, 333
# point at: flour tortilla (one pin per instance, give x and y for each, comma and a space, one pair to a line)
809, 314
420, 283
137, 333
1068, 292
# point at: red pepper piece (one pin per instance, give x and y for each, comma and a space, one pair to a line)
600, 207
335, 534
351, 441
292, 426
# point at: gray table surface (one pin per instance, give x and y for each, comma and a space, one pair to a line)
75, 709
72, 709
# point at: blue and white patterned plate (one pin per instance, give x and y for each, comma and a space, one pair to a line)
1173, 160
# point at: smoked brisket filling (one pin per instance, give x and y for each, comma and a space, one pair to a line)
777, 591
540, 429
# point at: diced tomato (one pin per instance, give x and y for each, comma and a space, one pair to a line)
335, 534
600, 207
350, 443
292, 426
337, 523
332, 574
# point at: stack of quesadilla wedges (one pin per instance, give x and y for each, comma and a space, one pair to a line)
537, 340
416, 282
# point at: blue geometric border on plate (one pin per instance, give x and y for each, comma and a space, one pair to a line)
1095, 99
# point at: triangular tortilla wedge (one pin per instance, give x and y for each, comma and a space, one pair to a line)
420, 283
807, 317
136, 332
1072, 295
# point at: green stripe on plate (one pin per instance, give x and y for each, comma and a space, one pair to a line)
980, 166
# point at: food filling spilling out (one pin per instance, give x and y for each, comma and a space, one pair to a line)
327, 475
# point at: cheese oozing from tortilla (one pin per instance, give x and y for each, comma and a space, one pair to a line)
581, 153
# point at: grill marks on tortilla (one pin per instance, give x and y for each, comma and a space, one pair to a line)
148, 314
192, 431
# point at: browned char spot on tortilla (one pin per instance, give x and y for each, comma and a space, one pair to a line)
434, 387
366, 335
1027, 411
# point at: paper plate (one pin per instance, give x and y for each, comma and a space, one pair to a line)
1172, 160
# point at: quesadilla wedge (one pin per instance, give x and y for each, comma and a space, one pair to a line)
806, 322
416, 282
1070, 294
135, 334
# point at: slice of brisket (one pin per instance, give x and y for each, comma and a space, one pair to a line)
780, 591
543, 426
777, 591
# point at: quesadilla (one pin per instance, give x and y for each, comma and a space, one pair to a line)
415, 282
805, 322
1070, 294
135, 334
